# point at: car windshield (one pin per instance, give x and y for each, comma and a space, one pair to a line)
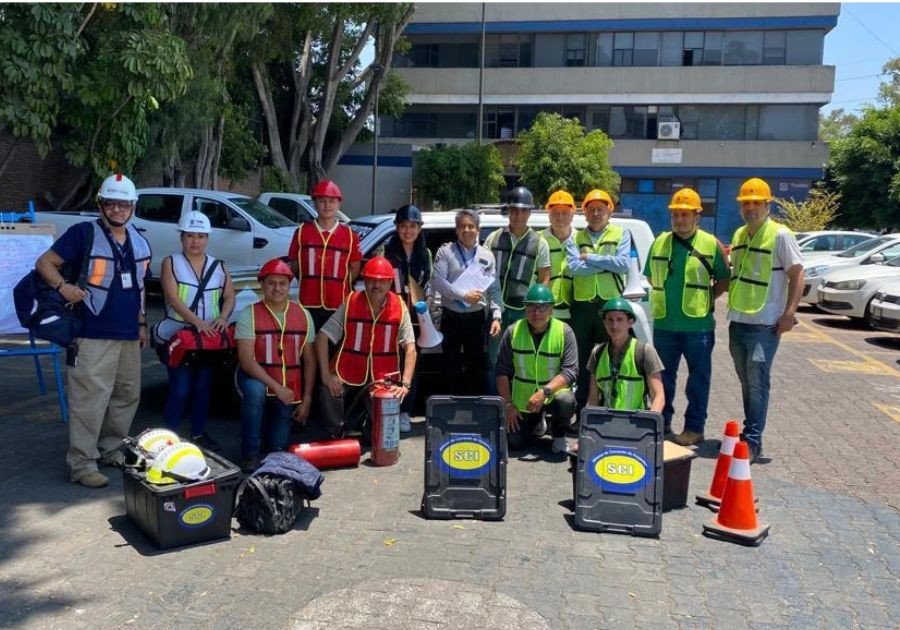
363, 226
261, 212
893, 262
865, 247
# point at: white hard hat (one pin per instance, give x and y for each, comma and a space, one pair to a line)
117, 187
184, 460
194, 221
154, 441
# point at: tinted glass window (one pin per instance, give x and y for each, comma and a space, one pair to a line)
804, 47
743, 48
217, 213
163, 208
262, 213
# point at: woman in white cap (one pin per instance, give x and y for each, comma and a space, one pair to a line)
198, 293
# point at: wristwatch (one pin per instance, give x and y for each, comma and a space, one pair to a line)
548, 391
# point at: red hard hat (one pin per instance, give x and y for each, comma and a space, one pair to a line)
275, 267
379, 268
327, 188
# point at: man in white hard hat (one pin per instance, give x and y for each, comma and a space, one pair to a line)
104, 375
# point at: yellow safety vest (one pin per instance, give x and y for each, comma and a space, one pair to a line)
535, 367
696, 297
560, 276
751, 267
625, 389
603, 284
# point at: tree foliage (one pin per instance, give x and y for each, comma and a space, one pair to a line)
557, 153
458, 176
836, 124
816, 212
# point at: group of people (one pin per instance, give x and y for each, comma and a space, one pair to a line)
550, 335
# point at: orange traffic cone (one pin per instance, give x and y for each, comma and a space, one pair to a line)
736, 521
713, 498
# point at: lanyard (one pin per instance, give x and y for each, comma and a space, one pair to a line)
118, 251
462, 254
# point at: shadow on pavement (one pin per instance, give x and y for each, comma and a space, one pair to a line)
839, 322
887, 342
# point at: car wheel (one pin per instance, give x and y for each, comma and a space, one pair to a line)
868, 316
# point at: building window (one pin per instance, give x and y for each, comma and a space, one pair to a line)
628, 185
692, 53
672, 49
575, 49
499, 123
623, 49
774, 48
628, 122
712, 48
508, 51
804, 48
788, 122
604, 50
743, 48
646, 49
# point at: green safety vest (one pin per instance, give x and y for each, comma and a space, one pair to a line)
560, 276
515, 266
535, 367
603, 284
751, 267
625, 390
696, 297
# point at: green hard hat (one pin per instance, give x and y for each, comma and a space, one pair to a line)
619, 304
539, 294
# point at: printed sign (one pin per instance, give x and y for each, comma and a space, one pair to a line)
465, 455
620, 470
196, 515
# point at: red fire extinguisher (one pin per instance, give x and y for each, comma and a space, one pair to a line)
385, 422
331, 454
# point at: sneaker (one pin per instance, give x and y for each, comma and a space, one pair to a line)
540, 428
560, 445
688, 438
205, 441
93, 479
405, 422
250, 464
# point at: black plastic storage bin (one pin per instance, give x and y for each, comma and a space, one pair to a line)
619, 475
178, 514
465, 458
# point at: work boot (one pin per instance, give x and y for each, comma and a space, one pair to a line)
405, 422
688, 438
206, 442
755, 452
669, 434
560, 445
93, 479
540, 428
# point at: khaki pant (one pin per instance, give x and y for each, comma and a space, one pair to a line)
104, 390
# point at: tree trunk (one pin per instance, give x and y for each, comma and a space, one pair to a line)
9, 156
217, 153
75, 192
276, 152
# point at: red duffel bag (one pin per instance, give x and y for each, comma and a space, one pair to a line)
189, 346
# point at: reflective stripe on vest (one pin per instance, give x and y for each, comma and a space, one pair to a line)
625, 390
515, 265
535, 367
370, 347
324, 265
279, 347
603, 284
696, 294
752, 262
209, 306
560, 276
102, 266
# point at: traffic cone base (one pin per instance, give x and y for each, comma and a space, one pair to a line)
748, 537
736, 521
709, 501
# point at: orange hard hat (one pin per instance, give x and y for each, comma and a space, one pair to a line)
561, 198
755, 189
275, 267
598, 195
686, 199
327, 188
378, 268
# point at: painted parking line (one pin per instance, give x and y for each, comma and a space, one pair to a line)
801, 337
891, 411
871, 365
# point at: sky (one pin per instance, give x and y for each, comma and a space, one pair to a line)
867, 35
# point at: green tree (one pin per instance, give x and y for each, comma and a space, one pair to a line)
889, 90
836, 124
816, 212
556, 153
459, 176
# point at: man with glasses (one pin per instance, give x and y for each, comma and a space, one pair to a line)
104, 377
536, 367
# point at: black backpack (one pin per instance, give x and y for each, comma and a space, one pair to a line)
270, 504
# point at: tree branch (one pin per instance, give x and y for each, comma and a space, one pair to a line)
357, 50
86, 19
260, 80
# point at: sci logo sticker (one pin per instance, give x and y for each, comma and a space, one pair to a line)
465, 455
620, 470
197, 515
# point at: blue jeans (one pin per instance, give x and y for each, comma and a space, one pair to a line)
188, 383
696, 348
753, 350
257, 411
507, 319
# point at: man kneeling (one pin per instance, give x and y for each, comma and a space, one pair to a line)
539, 356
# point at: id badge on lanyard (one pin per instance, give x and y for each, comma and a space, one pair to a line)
125, 276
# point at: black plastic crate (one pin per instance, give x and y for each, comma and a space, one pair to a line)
178, 514
465, 458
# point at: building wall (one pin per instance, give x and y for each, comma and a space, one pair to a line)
354, 175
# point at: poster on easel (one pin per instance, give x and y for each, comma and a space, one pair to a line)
21, 244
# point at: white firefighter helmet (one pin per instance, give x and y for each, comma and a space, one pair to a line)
117, 187
195, 222
154, 441
179, 463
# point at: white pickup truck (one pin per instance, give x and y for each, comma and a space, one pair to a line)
295, 207
245, 232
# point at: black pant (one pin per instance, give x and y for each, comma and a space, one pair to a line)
463, 352
319, 317
587, 324
559, 412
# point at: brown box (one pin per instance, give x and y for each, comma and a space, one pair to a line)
676, 475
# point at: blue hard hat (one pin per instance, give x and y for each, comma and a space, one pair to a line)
408, 213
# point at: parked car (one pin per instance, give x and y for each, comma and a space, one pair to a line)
884, 309
849, 291
298, 208
830, 240
870, 252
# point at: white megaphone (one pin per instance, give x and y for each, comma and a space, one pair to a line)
634, 288
429, 337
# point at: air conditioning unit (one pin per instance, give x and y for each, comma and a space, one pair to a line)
668, 130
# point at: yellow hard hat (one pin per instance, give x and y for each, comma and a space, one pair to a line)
686, 199
755, 189
561, 198
598, 195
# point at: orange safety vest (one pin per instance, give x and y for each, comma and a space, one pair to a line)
370, 347
324, 265
279, 349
